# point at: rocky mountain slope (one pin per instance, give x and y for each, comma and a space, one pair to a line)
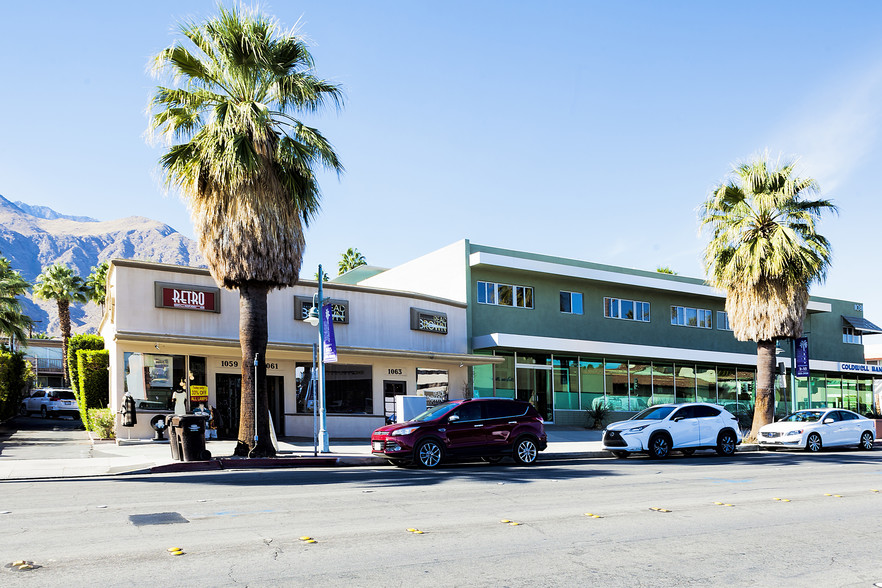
32, 237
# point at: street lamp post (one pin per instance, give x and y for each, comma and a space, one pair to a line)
315, 318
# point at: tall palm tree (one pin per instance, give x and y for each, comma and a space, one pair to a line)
765, 252
96, 283
61, 284
14, 324
351, 259
246, 167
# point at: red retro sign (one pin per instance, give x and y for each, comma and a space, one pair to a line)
187, 297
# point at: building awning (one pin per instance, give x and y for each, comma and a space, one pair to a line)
862, 325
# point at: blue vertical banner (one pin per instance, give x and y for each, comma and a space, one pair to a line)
330, 351
802, 357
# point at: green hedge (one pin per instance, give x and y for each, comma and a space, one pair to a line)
102, 422
74, 344
94, 378
15, 373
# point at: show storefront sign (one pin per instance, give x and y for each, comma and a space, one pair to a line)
860, 368
186, 297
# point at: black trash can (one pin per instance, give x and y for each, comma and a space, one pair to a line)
174, 436
191, 430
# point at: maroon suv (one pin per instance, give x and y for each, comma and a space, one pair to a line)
488, 428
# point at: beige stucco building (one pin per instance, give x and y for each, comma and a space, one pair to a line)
169, 328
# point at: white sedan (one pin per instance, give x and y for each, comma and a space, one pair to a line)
814, 428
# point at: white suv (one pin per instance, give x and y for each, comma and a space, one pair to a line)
660, 429
50, 403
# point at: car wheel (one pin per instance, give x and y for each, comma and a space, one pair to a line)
525, 452
659, 446
813, 443
726, 443
867, 441
23, 410
621, 454
428, 454
492, 458
687, 452
43, 412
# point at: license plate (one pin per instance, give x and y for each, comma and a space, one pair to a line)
66, 402
378, 445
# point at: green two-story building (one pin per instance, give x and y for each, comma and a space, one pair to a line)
571, 334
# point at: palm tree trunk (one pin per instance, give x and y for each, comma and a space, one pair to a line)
64, 319
764, 408
253, 339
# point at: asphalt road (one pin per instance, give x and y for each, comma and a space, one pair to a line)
33, 437
243, 528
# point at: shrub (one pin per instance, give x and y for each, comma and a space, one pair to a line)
15, 373
74, 344
102, 422
596, 414
94, 390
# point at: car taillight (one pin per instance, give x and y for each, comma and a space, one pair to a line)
54, 399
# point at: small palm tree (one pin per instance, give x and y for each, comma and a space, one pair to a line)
765, 252
351, 259
14, 324
61, 284
96, 283
245, 164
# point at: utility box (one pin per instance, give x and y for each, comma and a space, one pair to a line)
407, 407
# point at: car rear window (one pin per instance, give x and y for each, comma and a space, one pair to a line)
66, 395
500, 409
706, 411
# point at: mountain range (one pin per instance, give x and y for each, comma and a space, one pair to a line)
33, 237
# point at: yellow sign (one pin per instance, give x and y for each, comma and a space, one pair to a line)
198, 394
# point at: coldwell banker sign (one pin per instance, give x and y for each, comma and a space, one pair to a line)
186, 297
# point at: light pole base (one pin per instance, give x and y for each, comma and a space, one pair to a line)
324, 443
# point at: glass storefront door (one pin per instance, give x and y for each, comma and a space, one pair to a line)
534, 386
228, 394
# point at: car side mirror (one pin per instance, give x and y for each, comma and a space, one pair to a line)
828, 421
678, 419
453, 418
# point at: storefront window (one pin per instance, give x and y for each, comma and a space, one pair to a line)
616, 374
348, 389
746, 387
534, 358
727, 389
865, 396
662, 383
706, 383
566, 383
818, 389
802, 393
433, 384
641, 385
152, 378
684, 383
504, 376
834, 392
590, 382
482, 381
849, 394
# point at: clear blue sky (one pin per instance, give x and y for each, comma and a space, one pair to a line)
584, 129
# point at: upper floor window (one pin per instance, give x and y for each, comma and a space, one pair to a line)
571, 302
505, 294
691, 317
723, 321
850, 335
630, 310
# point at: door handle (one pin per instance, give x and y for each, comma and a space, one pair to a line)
479, 425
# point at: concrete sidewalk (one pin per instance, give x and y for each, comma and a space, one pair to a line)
107, 458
